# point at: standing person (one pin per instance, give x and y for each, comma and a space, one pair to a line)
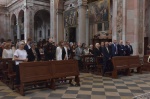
107, 66
78, 54
28, 45
121, 49
66, 51
97, 51
7, 51
33, 53
59, 51
91, 50
114, 48
50, 50
128, 49
20, 56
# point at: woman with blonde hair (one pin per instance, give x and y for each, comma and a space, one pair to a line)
7, 51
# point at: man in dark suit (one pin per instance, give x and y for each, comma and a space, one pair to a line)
28, 45
121, 49
114, 48
50, 50
107, 66
33, 53
128, 49
97, 50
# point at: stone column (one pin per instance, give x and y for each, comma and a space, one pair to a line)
87, 29
114, 18
26, 24
53, 20
82, 8
60, 25
18, 29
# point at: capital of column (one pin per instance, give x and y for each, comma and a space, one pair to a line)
82, 3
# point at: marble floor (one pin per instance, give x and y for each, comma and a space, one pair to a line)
92, 87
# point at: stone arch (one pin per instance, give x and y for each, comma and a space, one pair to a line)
21, 24
14, 26
41, 24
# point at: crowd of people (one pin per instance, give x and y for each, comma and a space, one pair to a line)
48, 51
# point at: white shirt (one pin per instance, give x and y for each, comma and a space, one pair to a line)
58, 53
7, 53
86, 51
21, 54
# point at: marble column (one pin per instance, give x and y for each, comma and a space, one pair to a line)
60, 25
26, 24
53, 20
82, 8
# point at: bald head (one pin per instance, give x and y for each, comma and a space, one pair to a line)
50, 40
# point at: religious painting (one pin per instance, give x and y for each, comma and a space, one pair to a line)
106, 26
70, 18
99, 11
99, 26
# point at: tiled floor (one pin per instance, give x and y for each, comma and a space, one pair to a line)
92, 87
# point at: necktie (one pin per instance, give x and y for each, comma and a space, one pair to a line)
107, 49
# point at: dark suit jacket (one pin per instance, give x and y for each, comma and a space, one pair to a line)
114, 50
26, 47
49, 51
106, 54
121, 50
97, 52
31, 56
128, 50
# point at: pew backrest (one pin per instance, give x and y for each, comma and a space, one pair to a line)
134, 61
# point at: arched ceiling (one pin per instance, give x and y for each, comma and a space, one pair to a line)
4, 2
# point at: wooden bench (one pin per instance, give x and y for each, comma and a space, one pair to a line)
134, 62
88, 60
99, 61
47, 71
120, 63
146, 64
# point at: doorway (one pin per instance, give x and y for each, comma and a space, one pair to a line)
72, 34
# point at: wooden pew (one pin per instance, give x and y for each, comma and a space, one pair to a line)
87, 61
62, 69
4, 65
47, 71
134, 62
99, 65
146, 64
120, 63
34, 72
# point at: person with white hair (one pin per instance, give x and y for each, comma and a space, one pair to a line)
97, 51
20, 56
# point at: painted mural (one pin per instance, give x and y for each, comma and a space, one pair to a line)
99, 11
70, 18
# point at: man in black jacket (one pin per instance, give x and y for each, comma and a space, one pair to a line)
121, 49
50, 51
107, 66
128, 49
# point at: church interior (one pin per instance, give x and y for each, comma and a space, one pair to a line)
105, 43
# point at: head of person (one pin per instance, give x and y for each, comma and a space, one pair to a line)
83, 45
21, 45
50, 40
33, 46
7, 46
97, 45
91, 46
115, 41
79, 44
106, 44
127, 42
61, 44
121, 42
110, 43
29, 40
9, 41
102, 44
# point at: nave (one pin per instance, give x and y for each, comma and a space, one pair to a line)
92, 87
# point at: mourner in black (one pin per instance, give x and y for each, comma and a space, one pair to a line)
50, 50
107, 64
128, 49
121, 49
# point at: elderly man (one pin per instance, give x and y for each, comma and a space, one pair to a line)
121, 49
128, 49
78, 53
